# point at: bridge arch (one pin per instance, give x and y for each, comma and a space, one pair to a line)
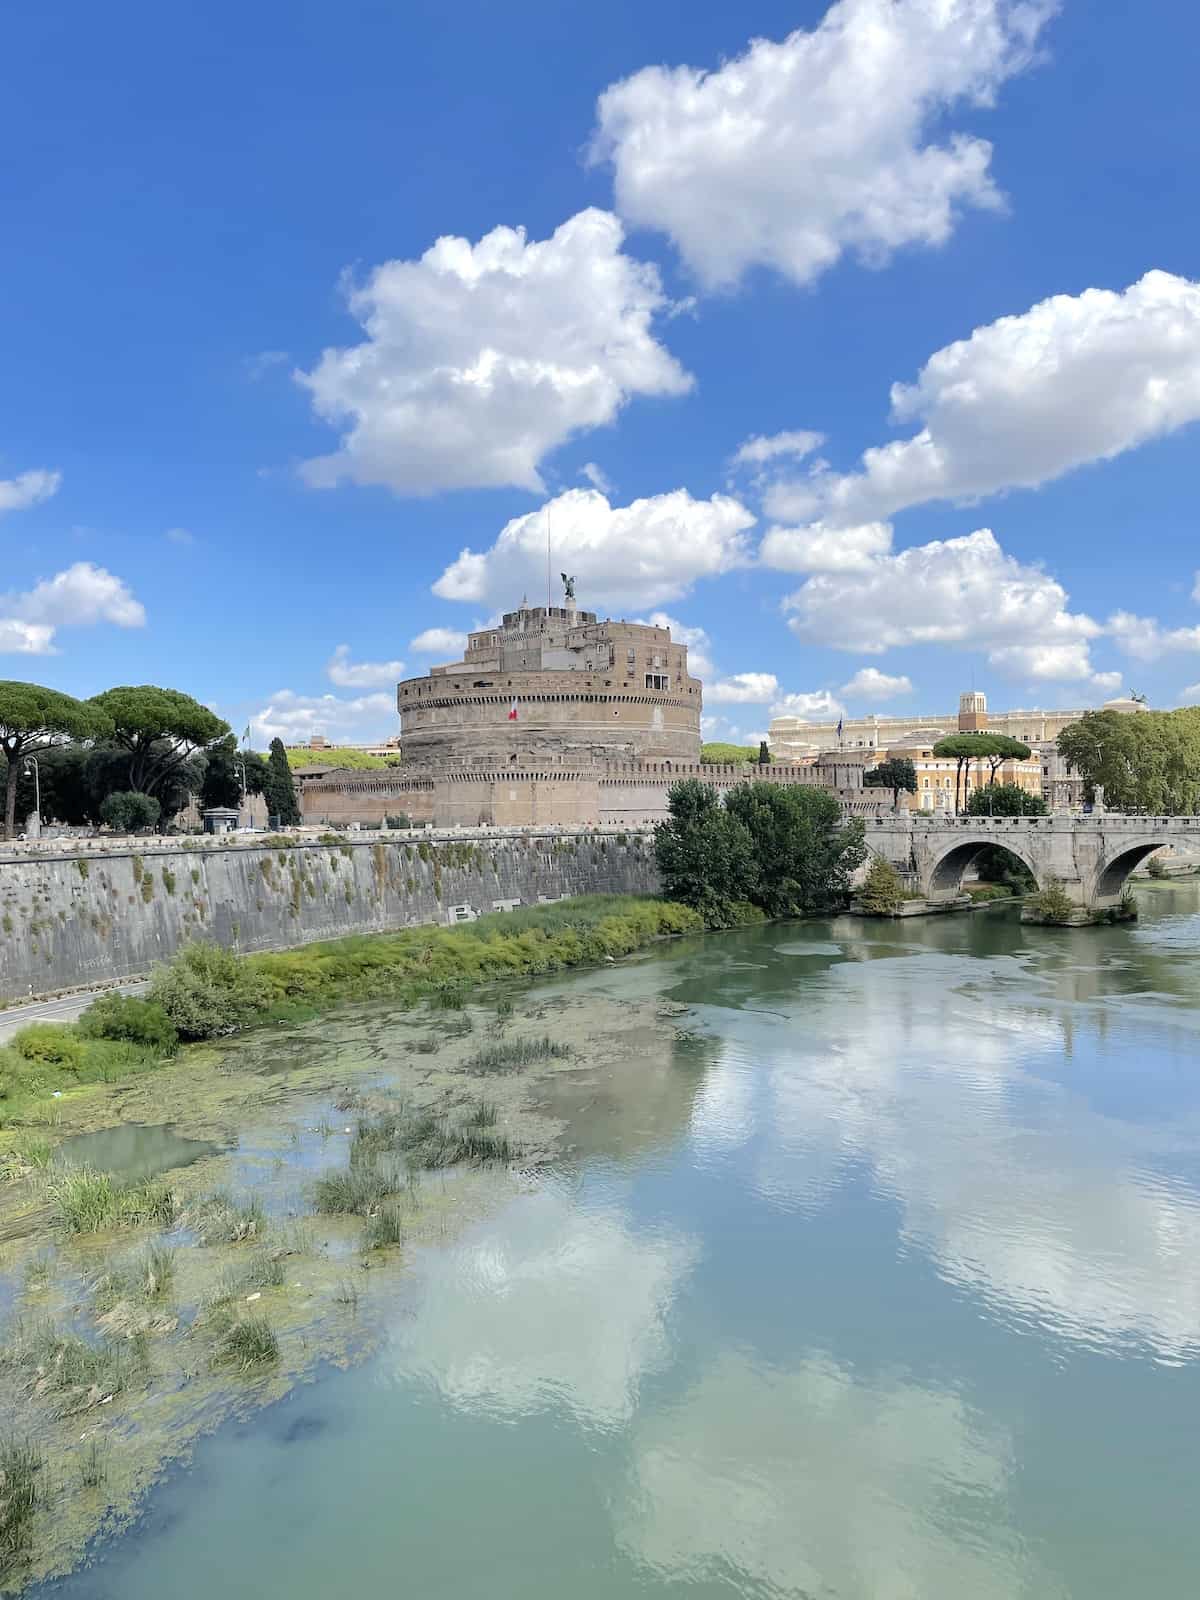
1112, 874
945, 873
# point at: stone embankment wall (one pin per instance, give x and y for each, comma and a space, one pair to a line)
81, 917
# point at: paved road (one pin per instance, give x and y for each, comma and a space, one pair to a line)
65, 1009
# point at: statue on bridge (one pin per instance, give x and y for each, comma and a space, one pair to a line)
568, 589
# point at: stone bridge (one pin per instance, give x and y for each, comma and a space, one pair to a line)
1091, 856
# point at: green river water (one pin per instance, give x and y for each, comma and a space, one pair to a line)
889, 1291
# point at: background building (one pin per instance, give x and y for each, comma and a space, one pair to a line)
793, 737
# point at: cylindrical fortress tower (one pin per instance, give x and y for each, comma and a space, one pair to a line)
554, 686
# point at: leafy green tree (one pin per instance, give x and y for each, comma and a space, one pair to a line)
31, 719
160, 730
1007, 749
222, 785
1005, 800
703, 854
129, 811
882, 894
896, 773
804, 855
279, 787
967, 748
1146, 761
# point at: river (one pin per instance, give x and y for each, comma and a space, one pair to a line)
890, 1290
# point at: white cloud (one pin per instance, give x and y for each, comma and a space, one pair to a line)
952, 591
762, 448
642, 554
349, 674
18, 494
597, 477
1190, 696
1074, 380
481, 359
819, 548
81, 595
180, 536
817, 706
294, 718
743, 688
868, 683
796, 152
446, 642
1146, 639
1069, 662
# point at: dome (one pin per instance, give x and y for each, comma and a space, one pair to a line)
1124, 703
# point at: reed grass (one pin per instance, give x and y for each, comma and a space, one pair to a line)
508, 1055
85, 1201
75, 1373
20, 1464
218, 1218
248, 1344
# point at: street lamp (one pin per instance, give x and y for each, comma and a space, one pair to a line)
32, 761
239, 767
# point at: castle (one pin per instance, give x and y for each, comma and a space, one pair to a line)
554, 717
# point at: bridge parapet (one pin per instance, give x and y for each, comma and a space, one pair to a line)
1091, 855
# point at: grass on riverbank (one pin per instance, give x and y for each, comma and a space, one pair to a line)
206, 992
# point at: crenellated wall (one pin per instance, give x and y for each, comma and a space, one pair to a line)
78, 918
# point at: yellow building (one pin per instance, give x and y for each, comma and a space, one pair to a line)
936, 777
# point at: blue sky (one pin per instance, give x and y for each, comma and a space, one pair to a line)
252, 415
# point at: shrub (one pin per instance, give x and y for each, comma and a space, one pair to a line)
1052, 904
206, 991
49, 1044
400, 820
882, 894
124, 1016
1157, 867
126, 811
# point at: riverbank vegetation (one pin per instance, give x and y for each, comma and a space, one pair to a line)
206, 992
762, 850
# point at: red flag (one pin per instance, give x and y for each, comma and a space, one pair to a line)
512, 715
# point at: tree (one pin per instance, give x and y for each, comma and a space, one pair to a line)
159, 729
126, 813
1006, 749
1146, 761
966, 748
222, 785
896, 773
804, 855
703, 854
882, 894
1005, 800
31, 719
279, 787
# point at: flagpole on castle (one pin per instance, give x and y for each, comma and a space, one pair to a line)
549, 563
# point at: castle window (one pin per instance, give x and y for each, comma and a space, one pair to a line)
657, 680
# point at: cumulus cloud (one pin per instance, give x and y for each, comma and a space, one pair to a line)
294, 718
447, 642
1190, 696
821, 548
830, 141
349, 674
18, 494
743, 688
642, 554
81, 595
1146, 639
480, 359
1074, 380
763, 448
868, 683
820, 705
952, 591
